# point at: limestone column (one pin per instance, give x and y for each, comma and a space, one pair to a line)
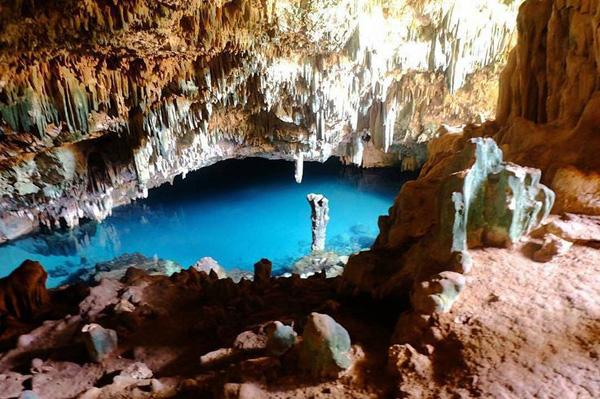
319, 206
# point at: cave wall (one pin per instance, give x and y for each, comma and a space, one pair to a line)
101, 100
549, 100
548, 121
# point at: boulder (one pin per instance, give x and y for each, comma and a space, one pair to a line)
437, 294
325, 348
23, 292
100, 342
280, 338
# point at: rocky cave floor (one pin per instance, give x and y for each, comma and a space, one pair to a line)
520, 329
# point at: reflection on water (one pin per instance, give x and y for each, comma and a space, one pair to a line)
236, 212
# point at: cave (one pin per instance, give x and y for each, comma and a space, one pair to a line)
299, 199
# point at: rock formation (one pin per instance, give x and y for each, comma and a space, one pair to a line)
466, 199
319, 210
101, 102
23, 293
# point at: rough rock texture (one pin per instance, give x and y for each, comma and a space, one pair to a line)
217, 338
325, 348
23, 292
117, 268
101, 101
192, 335
469, 198
319, 216
549, 102
547, 118
521, 329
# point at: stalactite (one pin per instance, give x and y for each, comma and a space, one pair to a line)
187, 85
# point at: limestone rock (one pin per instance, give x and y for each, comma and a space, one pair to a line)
281, 338
262, 271
319, 207
325, 347
316, 262
207, 264
553, 246
100, 342
578, 229
465, 198
117, 267
438, 293
415, 370
23, 293
157, 96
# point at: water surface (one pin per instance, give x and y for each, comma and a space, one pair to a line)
236, 211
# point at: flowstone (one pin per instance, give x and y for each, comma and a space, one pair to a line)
479, 200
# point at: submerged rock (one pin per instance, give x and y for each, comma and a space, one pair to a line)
116, 268
329, 262
319, 206
325, 347
100, 342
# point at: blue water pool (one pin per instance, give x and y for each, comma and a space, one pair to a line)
236, 212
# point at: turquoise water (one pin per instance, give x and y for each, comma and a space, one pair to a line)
236, 211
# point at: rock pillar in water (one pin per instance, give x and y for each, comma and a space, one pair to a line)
319, 206
262, 271
299, 171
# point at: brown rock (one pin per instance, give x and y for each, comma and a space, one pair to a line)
23, 293
262, 271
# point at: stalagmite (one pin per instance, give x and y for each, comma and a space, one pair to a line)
319, 206
196, 101
299, 171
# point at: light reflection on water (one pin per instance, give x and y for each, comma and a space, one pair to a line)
237, 212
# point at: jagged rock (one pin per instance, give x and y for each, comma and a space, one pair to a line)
463, 199
207, 264
319, 207
415, 370
250, 341
124, 306
262, 271
551, 247
158, 96
23, 293
217, 357
461, 262
325, 347
578, 229
329, 262
136, 370
100, 342
281, 338
116, 268
11, 384
65, 380
438, 293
